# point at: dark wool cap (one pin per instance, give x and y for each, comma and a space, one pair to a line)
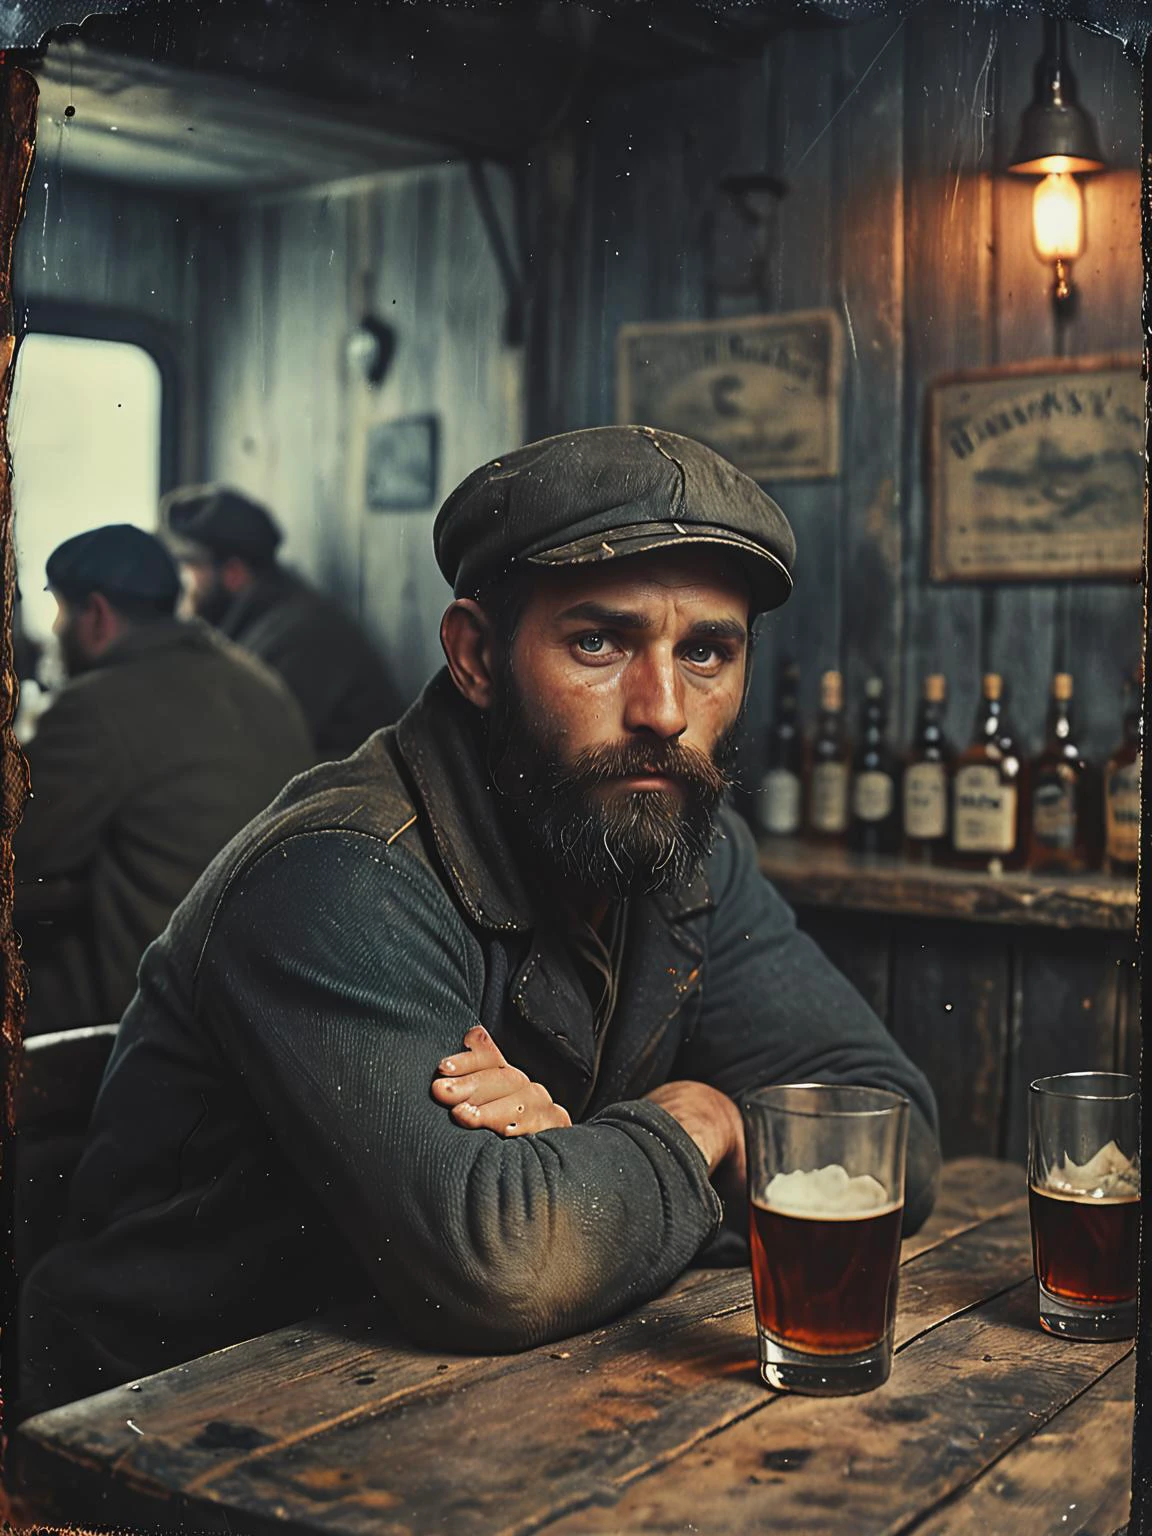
118, 560
605, 493
221, 520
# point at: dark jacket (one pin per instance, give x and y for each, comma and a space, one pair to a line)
141, 771
323, 655
265, 1142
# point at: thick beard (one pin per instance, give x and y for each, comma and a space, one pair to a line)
626, 844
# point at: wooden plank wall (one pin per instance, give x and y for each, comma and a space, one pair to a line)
100, 243
984, 1009
888, 135
284, 283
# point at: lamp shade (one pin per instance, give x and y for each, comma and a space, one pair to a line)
1056, 134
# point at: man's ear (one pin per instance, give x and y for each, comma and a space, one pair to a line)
101, 623
469, 646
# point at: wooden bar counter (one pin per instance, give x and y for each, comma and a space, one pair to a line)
657, 1422
988, 981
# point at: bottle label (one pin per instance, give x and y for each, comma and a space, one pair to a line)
1054, 813
1122, 813
925, 801
873, 796
779, 803
830, 797
985, 811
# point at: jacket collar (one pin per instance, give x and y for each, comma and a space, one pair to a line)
441, 748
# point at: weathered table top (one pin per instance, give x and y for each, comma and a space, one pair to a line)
655, 1423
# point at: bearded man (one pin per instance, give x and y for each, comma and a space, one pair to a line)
163, 742
459, 1023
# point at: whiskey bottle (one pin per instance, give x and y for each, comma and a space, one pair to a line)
1058, 839
828, 785
875, 824
926, 779
988, 790
1122, 791
779, 804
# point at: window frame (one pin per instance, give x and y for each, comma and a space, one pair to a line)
99, 322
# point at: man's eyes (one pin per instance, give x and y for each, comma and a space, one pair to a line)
703, 654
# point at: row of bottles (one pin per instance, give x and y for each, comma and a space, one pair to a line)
984, 808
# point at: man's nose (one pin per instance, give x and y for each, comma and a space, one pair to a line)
655, 698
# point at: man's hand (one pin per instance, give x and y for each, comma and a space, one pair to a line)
712, 1121
486, 1093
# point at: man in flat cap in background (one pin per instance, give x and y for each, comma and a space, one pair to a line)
163, 742
226, 545
461, 1020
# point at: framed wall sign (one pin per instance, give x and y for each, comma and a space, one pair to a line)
763, 390
1036, 471
400, 471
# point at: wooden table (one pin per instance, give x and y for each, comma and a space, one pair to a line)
656, 1423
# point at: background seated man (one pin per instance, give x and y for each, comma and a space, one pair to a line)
163, 742
226, 545
459, 1023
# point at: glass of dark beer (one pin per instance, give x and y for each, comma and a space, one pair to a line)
1084, 1201
826, 1189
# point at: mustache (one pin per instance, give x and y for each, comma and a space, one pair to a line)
686, 765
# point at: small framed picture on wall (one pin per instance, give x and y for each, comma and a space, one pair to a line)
401, 464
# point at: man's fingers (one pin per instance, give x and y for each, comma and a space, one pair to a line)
480, 1087
485, 1093
479, 1053
515, 1114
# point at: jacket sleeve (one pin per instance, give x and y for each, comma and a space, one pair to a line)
76, 773
775, 1010
335, 978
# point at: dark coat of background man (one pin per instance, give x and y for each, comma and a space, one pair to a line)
162, 744
226, 546
459, 1023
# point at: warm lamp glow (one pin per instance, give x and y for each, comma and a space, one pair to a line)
1058, 218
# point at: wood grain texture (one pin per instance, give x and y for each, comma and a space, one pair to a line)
1072, 1477
870, 265
959, 1397
947, 233
810, 876
861, 949
950, 1012
283, 284
1065, 1018
890, 137
342, 1426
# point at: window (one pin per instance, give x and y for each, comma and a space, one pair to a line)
85, 435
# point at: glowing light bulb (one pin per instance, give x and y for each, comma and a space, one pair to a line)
1058, 218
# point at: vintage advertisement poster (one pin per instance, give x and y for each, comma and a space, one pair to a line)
1037, 472
763, 390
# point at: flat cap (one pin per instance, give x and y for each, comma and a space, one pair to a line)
605, 493
222, 520
120, 561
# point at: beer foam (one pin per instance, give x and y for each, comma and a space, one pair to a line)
1107, 1174
826, 1192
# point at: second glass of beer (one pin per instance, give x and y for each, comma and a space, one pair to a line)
826, 1186
1084, 1200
